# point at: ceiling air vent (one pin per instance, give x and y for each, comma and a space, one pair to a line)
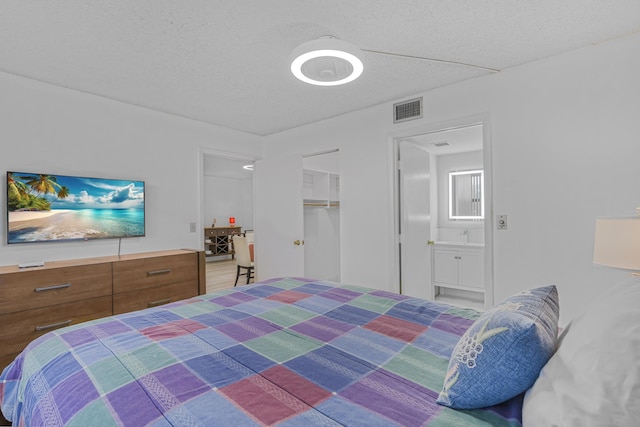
407, 110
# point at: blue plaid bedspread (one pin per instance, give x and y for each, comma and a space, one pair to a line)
286, 352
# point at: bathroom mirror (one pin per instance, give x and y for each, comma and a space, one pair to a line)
466, 195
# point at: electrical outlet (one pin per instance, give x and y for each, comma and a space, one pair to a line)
192, 227
501, 222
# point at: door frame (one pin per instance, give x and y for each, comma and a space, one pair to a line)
210, 152
395, 137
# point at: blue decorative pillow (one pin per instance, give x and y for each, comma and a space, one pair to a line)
502, 353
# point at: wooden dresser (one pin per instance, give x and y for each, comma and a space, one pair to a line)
36, 300
142, 282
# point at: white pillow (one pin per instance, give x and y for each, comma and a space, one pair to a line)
593, 379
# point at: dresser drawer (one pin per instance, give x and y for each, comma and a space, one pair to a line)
25, 290
153, 297
18, 329
129, 275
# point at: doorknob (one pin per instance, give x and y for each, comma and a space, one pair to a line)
296, 242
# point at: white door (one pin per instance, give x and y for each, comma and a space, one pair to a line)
415, 221
322, 243
279, 227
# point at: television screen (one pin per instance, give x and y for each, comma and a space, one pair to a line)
45, 208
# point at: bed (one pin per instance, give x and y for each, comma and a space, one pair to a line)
295, 351
288, 352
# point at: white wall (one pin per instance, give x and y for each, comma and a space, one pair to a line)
565, 146
59, 131
228, 197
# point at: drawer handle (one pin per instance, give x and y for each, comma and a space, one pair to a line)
156, 303
50, 288
53, 325
157, 272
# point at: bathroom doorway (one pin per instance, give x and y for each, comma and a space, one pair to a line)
424, 157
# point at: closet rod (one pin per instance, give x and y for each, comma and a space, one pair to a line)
321, 152
322, 205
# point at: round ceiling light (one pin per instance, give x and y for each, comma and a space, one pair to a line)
326, 61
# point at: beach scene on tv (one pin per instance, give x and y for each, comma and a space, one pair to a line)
58, 207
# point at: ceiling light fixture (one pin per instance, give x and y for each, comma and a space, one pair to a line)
326, 61
248, 167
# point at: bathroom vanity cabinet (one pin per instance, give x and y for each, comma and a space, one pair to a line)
458, 272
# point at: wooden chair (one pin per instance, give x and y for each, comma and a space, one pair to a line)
243, 258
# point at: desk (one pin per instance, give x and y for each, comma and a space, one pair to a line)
217, 240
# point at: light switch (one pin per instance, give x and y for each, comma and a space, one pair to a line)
192, 227
501, 222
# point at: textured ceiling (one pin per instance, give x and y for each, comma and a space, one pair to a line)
227, 62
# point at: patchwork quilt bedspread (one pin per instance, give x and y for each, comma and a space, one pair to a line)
286, 352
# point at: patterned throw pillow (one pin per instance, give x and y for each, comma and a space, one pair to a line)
502, 353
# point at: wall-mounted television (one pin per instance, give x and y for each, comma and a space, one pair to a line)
49, 208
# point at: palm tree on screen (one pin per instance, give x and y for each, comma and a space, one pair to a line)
63, 192
16, 188
43, 184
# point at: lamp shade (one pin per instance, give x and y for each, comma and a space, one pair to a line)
326, 61
617, 243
